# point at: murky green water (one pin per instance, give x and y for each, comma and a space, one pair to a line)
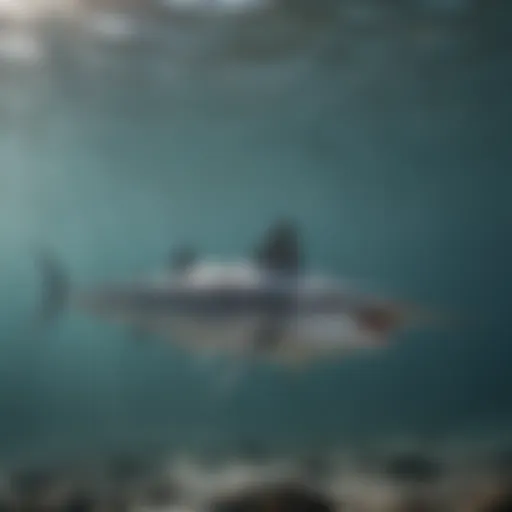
387, 139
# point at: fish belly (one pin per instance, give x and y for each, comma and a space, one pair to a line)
326, 334
227, 334
303, 336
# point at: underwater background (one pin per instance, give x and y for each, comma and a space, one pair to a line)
383, 128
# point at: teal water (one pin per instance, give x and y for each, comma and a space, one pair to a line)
390, 146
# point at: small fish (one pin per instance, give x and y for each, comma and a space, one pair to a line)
270, 305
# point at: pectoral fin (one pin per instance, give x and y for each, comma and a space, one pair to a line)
268, 334
140, 333
297, 361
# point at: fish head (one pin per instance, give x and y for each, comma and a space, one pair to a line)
380, 321
369, 325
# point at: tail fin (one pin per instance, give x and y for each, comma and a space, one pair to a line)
55, 288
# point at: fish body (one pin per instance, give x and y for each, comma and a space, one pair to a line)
223, 304
270, 306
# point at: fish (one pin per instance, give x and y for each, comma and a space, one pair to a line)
269, 304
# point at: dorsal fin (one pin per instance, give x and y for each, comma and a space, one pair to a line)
182, 259
280, 249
